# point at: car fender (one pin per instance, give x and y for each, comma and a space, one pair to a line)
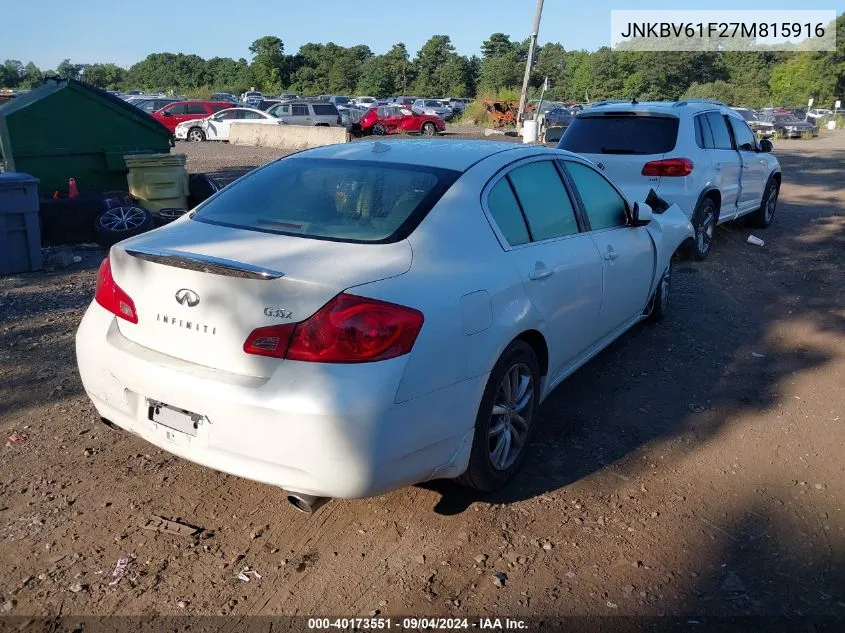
668, 230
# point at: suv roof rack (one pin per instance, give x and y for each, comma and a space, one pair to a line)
689, 101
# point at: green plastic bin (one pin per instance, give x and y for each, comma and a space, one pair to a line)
67, 129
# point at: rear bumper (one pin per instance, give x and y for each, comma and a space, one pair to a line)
326, 430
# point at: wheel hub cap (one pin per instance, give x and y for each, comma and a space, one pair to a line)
511, 417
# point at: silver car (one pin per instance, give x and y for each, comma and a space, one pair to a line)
432, 106
307, 113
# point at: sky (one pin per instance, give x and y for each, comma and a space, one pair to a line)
89, 31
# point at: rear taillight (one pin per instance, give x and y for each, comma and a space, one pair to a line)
668, 167
348, 329
111, 296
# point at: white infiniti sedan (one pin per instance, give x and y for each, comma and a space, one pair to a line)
217, 126
356, 318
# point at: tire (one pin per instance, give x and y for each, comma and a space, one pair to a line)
660, 300
490, 468
196, 135
763, 216
428, 129
115, 225
379, 130
704, 223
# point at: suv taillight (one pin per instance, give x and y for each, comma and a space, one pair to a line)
348, 329
668, 167
111, 296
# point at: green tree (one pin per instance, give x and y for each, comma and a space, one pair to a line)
436, 69
13, 73
497, 45
268, 63
33, 76
108, 76
800, 77
67, 70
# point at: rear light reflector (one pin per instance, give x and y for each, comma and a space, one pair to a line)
111, 296
348, 329
668, 167
270, 341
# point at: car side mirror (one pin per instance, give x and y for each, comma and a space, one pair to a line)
765, 145
640, 214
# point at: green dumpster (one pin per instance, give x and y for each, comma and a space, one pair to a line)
67, 129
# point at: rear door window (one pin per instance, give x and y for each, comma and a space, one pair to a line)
703, 135
195, 108
544, 200
719, 128
620, 134
299, 110
340, 200
323, 109
506, 213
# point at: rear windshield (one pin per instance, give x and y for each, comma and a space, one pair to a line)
620, 134
340, 200
324, 108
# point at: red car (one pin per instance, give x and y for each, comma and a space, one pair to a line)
395, 119
172, 115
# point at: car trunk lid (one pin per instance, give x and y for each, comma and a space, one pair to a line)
200, 289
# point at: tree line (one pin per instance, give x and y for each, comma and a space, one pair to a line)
736, 77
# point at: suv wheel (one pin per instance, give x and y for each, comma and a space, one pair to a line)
762, 217
704, 224
428, 129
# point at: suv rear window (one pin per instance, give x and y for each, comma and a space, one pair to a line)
620, 134
324, 109
339, 200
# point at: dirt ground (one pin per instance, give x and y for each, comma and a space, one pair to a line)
694, 468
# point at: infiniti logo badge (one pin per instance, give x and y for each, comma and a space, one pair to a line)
187, 297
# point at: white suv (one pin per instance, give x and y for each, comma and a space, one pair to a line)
700, 155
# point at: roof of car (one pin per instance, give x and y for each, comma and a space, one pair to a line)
664, 107
453, 154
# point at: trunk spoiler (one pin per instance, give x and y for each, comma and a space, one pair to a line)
203, 263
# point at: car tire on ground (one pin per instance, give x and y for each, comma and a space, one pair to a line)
505, 421
114, 225
379, 130
704, 223
428, 129
660, 300
763, 216
196, 135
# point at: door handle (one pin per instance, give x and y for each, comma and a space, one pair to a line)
540, 273
610, 254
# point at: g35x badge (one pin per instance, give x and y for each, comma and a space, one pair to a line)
279, 313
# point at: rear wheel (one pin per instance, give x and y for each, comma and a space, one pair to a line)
504, 423
196, 135
763, 216
428, 129
704, 224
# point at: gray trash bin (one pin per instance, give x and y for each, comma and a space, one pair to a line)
20, 235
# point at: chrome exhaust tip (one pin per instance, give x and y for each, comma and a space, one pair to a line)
307, 504
110, 424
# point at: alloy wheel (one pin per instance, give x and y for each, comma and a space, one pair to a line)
123, 218
664, 289
704, 234
195, 135
771, 202
510, 419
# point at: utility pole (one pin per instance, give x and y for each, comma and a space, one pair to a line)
532, 44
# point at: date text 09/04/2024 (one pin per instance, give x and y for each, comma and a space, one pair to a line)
445, 624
